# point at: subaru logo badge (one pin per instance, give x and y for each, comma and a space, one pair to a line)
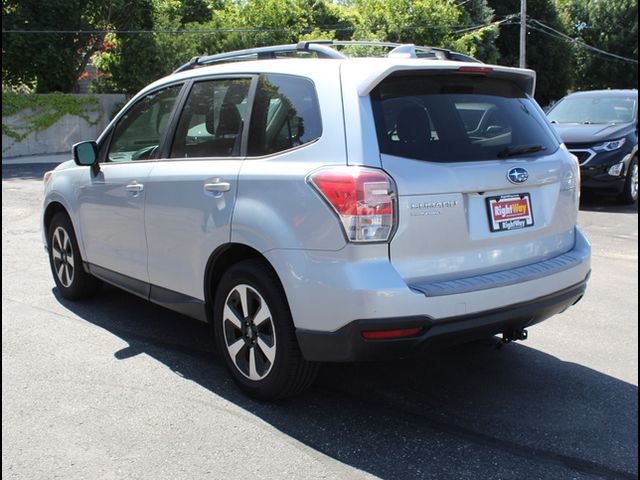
517, 175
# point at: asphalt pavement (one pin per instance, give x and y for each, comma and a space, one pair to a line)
114, 387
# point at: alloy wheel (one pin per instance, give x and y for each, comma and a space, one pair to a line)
249, 332
63, 259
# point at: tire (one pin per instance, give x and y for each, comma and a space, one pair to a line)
66, 264
629, 194
255, 335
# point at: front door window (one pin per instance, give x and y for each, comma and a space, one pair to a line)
138, 134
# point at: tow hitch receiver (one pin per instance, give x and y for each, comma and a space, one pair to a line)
513, 335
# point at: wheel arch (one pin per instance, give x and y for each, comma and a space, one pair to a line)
220, 261
631, 156
51, 210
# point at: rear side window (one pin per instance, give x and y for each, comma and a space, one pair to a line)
211, 121
285, 115
457, 118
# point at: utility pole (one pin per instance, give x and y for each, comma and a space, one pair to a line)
523, 33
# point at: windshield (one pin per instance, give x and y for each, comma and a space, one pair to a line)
591, 109
458, 118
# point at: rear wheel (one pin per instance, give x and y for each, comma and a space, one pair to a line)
255, 334
66, 264
629, 194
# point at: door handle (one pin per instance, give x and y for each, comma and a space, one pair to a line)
217, 186
134, 187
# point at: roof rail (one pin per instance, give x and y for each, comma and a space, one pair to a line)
399, 50
261, 53
323, 50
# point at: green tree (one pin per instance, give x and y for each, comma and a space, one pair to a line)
550, 58
611, 26
278, 21
273, 22
429, 22
137, 62
177, 49
55, 61
422, 22
482, 43
142, 50
195, 11
51, 61
329, 17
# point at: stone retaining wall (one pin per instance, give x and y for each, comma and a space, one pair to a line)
61, 136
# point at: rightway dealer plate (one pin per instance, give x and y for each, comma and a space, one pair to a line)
509, 212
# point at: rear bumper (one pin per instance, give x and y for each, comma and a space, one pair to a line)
347, 344
327, 291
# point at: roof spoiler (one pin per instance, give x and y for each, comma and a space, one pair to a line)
524, 78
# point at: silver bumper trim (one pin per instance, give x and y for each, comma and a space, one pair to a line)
500, 279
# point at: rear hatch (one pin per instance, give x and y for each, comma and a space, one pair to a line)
483, 185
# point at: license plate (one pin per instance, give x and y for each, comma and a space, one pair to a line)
510, 212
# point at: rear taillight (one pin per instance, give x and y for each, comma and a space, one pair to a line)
571, 179
363, 198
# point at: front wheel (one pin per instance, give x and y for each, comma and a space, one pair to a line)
629, 194
66, 264
255, 334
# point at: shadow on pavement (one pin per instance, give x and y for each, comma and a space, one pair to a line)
30, 171
473, 411
592, 202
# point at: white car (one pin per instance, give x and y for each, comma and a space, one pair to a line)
326, 208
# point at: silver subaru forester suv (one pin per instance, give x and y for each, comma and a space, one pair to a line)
315, 207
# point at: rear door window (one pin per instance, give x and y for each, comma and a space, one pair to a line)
211, 122
457, 118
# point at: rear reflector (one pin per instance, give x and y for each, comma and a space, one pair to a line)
382, 334
481, 70
363, 198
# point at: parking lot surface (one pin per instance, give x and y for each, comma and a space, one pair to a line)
115, 387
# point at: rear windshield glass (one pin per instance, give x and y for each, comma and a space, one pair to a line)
458, 118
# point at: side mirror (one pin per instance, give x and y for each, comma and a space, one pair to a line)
86, 154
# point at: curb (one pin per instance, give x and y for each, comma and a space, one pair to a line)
30, 159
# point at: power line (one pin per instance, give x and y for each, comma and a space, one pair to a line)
559, 35
458, 29
605, 56
180, 31
508, 18
240, 30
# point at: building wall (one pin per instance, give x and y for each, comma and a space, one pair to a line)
61, 136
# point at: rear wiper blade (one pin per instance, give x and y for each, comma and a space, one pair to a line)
520, 150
